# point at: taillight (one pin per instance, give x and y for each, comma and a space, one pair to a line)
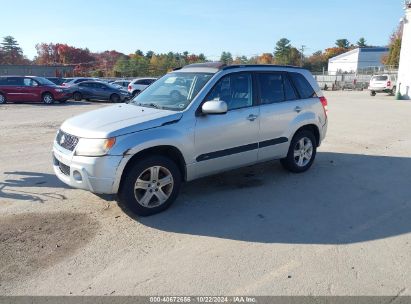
129, 87
388, 83
324, 102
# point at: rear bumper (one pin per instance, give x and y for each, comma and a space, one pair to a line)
95, 174
380, 89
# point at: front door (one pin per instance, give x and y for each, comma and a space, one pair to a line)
224, 141
31, 90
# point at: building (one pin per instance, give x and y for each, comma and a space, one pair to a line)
37, 70
404, 72
360, 58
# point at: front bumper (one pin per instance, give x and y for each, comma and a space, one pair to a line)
62, 96
95, 174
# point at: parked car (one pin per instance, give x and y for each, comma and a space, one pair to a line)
98, 90
122, 83
138, 85
31, 89
384, 83
72, 81
233, 116
56, 80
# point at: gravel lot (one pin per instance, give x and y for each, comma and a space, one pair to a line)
343, 228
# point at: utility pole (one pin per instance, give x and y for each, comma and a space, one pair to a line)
302, 53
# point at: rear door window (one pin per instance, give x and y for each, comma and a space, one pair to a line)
271, 88
305, 90
15, 81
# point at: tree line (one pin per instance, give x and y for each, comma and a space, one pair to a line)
114, 63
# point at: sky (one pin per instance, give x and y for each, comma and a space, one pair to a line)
242, 27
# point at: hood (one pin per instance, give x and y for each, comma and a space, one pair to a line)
117, 120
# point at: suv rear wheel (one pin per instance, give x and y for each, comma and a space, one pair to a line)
302, 152
150, 186
2, 99
135, 93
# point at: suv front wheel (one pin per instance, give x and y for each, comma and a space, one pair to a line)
150, 185
301, 153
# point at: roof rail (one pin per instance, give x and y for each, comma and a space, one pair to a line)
238, 66
215, 64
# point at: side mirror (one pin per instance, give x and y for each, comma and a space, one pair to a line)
214, 107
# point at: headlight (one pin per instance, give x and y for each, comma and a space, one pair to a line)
58, 90
94, 147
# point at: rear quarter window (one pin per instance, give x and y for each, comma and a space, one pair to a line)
304, 89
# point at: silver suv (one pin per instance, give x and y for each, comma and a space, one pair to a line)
226, 117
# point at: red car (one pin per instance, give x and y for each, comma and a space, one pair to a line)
31, 89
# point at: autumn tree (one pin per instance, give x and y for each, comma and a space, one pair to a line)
265, 58
393, 57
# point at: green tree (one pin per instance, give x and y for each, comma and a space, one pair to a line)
226, 58
122, 67
139, 53
282, 51
362, 42
342, 43
149, 54
11, 52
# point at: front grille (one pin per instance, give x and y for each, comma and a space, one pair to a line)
66, 141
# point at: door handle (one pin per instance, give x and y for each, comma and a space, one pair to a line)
252, 117
298, 109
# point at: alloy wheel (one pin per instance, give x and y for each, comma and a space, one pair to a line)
303, 152
153, 187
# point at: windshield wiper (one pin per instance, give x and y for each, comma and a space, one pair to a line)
152, 105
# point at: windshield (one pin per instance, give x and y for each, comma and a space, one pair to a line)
174, 91
44, 81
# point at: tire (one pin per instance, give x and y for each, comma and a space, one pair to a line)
373, 93
77, 96
135, 93
2, 99
393, 91
114, 98
150, 197
302, 152
47, 98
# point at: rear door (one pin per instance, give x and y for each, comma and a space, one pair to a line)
14, 89
280, 105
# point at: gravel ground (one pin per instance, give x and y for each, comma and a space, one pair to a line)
343, 228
